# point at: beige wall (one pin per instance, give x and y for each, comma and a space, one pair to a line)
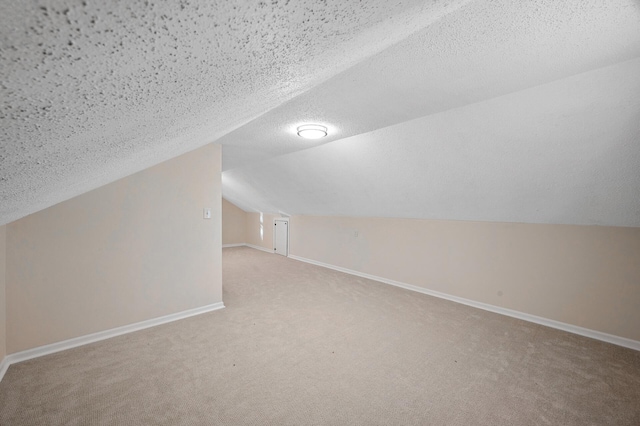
240, 227
234, 223
3, 300
587, 276
133, 250
253, 230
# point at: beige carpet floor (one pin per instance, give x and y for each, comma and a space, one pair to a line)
299, 344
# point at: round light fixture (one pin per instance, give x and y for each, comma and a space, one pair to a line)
312, 131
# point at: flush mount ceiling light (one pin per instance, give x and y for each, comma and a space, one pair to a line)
312, 131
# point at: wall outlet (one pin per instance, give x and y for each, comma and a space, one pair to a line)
355, 233
207, 213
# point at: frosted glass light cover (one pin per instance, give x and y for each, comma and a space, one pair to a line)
312, 131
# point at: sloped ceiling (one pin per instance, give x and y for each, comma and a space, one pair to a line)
499, 111
474, 110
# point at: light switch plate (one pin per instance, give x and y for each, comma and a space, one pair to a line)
207, 213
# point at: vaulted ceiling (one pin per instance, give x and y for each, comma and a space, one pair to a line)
497, 110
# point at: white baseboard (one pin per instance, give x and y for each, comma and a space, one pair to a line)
4, 365
598, 335
259, 248
101, 335
248, 245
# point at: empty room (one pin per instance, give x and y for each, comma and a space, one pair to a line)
320, 212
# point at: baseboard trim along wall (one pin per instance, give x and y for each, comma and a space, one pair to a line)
260, 248
598, 335
4, 365
101, 335
248, 245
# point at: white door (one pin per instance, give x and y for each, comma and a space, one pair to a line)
281, 237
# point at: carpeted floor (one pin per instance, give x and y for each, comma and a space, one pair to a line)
299, 344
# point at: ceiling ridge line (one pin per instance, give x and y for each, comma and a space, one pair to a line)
464, 3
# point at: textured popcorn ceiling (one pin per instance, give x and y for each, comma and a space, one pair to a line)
92, 91
499, 111
478, 110
525, 157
